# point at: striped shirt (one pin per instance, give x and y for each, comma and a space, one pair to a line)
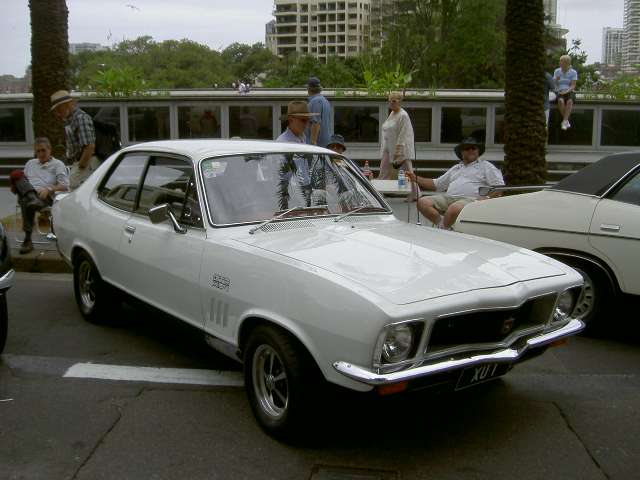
79, 132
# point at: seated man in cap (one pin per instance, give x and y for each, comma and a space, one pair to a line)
460, 184
336, 143
36, 185
80, 135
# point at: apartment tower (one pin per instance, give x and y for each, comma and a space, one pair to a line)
612, 45
321, 28
631, 39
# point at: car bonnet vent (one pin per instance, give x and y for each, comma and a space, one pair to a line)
313, 223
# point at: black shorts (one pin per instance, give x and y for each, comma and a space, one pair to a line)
567, 96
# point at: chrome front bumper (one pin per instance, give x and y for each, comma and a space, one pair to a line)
507, 355
6, 281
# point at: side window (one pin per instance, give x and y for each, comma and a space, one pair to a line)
629, 192
171, 180
120, 188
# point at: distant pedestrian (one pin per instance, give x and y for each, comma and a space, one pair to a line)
321, 125
398, 149
80, 136
549, 87
566, 79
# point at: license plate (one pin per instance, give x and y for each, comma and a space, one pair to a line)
481, 373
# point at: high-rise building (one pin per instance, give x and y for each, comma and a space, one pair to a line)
612, 45
324, 28
85, 47
321, 28
551, 19
631, 38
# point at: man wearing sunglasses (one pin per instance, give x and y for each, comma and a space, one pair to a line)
459, 185
36, 186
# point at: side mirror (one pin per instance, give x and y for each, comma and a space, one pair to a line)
160, 213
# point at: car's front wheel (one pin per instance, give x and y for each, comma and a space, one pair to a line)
595, 296
94, 297
281, 381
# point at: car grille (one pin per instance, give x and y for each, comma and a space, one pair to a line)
489, 327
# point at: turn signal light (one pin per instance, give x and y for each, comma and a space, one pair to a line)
392, 388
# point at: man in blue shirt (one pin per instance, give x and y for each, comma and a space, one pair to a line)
320, 126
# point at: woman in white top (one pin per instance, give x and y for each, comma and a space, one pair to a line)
397, 140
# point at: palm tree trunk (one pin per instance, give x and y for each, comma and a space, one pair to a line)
526, 133
49, 66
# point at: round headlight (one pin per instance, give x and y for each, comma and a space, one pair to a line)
564, 306
397, 343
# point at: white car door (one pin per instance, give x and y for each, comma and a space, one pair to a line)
163, 266
615, 232
111, 209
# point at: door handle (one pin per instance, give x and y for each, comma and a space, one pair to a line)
610, 228
130, 229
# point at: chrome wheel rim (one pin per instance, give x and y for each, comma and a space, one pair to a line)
86, 285
585, 303
270, 382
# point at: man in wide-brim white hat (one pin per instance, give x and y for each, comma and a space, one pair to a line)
80, 135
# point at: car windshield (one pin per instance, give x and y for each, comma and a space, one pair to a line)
257, 187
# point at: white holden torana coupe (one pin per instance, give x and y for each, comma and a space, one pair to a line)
590, 221
290, 262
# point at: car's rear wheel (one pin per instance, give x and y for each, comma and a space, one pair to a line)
595, 296
94, 297
4, 321
281, 380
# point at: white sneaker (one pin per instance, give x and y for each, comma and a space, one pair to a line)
568, 124
564, 125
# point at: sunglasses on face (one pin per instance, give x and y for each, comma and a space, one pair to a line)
469, 147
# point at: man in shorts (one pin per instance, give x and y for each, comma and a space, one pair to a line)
565, 78
460, 184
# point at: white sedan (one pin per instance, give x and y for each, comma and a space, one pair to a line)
289, 261
590, 221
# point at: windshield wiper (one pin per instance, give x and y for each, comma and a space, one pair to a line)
284, 214
370, 208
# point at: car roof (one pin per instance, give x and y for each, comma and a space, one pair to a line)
200, 149
597, 178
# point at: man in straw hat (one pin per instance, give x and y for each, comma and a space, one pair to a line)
460, 184
298, 117
80, 135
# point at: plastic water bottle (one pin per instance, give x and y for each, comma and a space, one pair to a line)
402, 180
366, 170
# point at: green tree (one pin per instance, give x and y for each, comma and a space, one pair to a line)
524, 98
447, 43
247, 62
49, 65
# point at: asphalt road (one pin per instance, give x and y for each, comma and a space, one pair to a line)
572, 413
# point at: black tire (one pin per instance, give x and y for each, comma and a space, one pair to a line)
96, 299
282, 382
596, 295
4, 321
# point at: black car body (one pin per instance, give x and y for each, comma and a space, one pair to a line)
6, 281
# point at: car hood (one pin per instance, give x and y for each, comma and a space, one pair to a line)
406, 263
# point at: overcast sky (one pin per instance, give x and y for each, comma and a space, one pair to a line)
218, 23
